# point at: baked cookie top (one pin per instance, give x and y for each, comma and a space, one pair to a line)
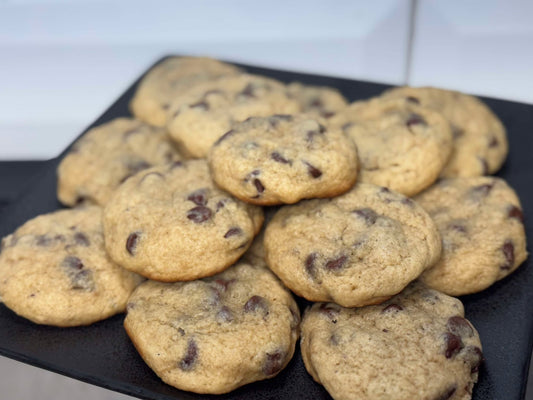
283, 159
54, 270
400, 145
319, 101
107, 155
172, 223
169, 79
480, 142
356, 249
481, 223
416, 345
215, 334
199, 116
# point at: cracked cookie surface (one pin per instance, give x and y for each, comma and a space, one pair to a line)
417, 345
356, 249
215, 334
172, 223
107, 155
54, 270
283, 159
481, 223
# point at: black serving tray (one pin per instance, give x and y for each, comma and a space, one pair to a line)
102, 354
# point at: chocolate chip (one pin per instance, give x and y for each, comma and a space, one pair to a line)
407, 201
82, 280
484, 166
474, 356
327, 114
273, 363
131, 242
448, 393
201, 105
233, 232
415, 119
347, 125
221, 204
279, 158
313, 171
43, 240
337, 263
330, 311
457, 227
459, 326
412, 99
482, 190
199, 214
258, 185
453, 344
256, 303
81, 239
310, 135
316, 103
72, 262
393, 307
176, 164
310, 266
508, 252
515, 212
493, 142
224, 137
181, 331
248, 91
224, 315
456, 131
198, 197
222, 284
367, 214
191, 355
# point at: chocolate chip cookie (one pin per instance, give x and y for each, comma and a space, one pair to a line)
172, 223
283, 159
401, 145
169, 79
54, 270
215, 334
356, 249
481, 223
417, 345
320, 101
109, 154
480, 142
199, 116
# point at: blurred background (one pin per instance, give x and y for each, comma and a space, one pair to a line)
63, 63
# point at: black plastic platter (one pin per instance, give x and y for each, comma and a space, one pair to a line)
101, 354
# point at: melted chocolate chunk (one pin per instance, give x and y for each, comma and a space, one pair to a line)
201, 105
199, 214
367, 214
337, 263
258, 185
131, 242
191, 355
233, 232
313, 171
494, 142
72, 262
81, 239
224, 315
82, 280
415, 119
508, 252
474, 357
515, 212
453, 344
310, 266
459, 326
393, 307
224, 137
330, 311
279, 158
198, 197
256, 303
273, 363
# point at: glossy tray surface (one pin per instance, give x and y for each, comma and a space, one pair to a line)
102, 354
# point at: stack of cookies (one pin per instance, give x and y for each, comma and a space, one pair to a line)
377, 213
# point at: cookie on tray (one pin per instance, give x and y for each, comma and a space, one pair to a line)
320, 101
416, 345
201, 115
480, 142
215, 334
171, 223
54, 270
401, 145
283, 159
169, 79
107, 155
356, 249
481, 223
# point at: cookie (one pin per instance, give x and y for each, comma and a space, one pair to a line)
171, 223
283, 159
480, 142
356, 249
54, 270
169, 79
215, 334
417, 345
319, 101
481, 223
401, 145
201, 115
107, 155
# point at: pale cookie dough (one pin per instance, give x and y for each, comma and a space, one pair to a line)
481, 223
105, 156
320, 101
415, 346
400, 145
283, 159
480, 142
201, 115
169, 79
54, 270
356, 249
171, 223
215, 334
